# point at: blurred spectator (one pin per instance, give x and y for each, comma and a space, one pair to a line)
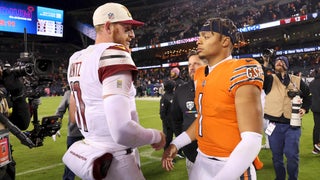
175, 77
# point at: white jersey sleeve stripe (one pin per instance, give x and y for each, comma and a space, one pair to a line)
113, 61
113, 57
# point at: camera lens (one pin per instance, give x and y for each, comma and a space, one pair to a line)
268, 53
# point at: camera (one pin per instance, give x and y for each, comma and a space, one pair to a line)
29, 65
269, 53
49, 126
18, 70
36, 74
295, 120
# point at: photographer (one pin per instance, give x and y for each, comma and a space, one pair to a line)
284, 136
11, 96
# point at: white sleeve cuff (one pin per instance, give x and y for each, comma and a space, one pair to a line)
182, 140
156, 137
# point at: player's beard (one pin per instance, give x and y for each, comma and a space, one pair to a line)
280, 68
119, 38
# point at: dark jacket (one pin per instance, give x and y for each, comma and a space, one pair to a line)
183, 114
20, 115
166, 102
315, 91
178, 82
165, 107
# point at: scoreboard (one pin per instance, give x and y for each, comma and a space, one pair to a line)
14, 17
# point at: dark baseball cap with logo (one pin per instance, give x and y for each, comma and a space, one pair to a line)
223, 26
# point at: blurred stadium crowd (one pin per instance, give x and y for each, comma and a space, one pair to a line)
183, 19
168, 22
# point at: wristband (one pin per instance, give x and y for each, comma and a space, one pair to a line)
182, 140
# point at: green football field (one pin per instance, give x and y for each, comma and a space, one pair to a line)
45, 162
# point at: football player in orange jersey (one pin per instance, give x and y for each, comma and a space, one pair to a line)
227, 95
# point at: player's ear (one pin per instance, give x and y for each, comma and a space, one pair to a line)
107, 27
226, 41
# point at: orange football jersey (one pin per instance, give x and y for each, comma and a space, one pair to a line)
217, 128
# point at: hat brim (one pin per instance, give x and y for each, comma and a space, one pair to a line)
133, 22
205, 28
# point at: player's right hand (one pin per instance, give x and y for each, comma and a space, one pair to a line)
167, 157
266, 59
161, 144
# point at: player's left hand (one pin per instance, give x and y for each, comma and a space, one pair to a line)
167, 157
54, 137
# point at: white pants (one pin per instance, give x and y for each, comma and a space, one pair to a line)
206, 169
125, 167
189, 165
81, 156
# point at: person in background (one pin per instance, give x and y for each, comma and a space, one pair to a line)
284, 139
315, 107
175, 77
183, 111
228, 127
102, 91
165, 111
13, 107
74, 133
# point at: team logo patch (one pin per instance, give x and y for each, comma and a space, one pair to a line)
111, 16
190, 105
119, 83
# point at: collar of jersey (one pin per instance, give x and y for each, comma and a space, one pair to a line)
212, 67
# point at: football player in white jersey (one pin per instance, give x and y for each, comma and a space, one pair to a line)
101, 79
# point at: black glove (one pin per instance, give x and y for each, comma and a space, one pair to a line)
13, 85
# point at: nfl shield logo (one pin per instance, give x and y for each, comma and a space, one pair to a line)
190, 105
111, 16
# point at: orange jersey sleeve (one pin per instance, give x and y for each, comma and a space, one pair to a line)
217, 127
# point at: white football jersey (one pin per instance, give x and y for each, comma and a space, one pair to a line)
86, 72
